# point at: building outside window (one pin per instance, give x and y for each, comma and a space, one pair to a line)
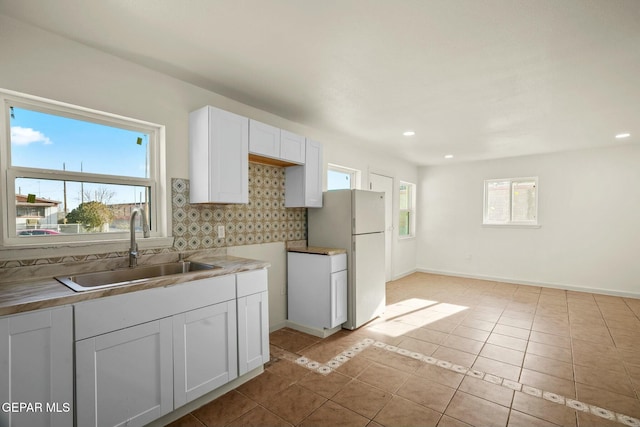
406, 195
511, 201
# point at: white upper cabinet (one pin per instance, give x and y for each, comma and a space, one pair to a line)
264, 139
303, 184
269, 141
218, 155
292, 147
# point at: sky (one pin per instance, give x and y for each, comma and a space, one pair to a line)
46, 141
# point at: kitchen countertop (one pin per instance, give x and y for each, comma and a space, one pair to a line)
24, 296
317, 250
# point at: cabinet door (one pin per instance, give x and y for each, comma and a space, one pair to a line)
253, 331
303, 184
313, 175
218, 153
125, 377
204, 350
292, 147
264, 139
36, 366
338, 298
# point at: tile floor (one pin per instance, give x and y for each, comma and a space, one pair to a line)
453, 352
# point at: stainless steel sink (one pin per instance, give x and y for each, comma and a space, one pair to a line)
127, 276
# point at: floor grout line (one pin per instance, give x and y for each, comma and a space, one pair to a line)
356, 349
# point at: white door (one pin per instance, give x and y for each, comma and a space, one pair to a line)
385, 184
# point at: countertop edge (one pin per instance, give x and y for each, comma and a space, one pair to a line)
317, 250
21, 297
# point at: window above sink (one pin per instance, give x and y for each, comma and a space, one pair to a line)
75, 174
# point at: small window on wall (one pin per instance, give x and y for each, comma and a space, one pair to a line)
340, 178
511, 201
406, 225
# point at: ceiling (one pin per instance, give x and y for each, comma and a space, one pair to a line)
476, 79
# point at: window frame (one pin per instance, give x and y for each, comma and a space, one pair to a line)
511, 223
354, 173
157, 197
411, 210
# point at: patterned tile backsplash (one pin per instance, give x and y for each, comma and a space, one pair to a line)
264, 219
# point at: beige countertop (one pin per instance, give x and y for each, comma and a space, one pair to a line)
317, 250
21, 296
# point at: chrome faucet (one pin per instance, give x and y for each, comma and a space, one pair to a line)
133, 250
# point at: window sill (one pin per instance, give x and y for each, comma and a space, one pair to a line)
511, 225
406, 237
45, 250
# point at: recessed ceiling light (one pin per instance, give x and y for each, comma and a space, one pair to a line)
623, 135
409, 133
448, 156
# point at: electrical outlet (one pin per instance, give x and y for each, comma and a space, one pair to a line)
221, 231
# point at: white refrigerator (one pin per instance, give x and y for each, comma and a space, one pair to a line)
354, 220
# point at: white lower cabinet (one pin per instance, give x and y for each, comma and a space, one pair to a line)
317, 289
204, 350
36, 368
125, 377
195, 338
338, 298
253, 320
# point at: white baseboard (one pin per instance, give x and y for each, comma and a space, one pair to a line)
563, 286
405, 274
275, 326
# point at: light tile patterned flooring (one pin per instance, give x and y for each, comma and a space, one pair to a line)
543, 357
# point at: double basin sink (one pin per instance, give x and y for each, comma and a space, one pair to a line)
128, 276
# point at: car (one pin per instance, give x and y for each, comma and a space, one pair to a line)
37, 232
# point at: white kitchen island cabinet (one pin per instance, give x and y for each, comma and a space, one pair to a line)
125, 377
317, 289
253, 320
36, 367
218, 156
303, 184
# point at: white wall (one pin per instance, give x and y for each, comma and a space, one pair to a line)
42, 64
589, 210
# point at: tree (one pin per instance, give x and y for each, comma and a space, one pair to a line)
92, 215
101, 194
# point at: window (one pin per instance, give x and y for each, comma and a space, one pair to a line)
406, 225
75, 174
512, 201
340, 177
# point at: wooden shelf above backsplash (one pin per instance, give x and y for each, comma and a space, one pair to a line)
269, 161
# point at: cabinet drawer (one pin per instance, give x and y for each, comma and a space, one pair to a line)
338, 262
108, 314
251, 282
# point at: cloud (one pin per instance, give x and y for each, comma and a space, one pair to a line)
25, 136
